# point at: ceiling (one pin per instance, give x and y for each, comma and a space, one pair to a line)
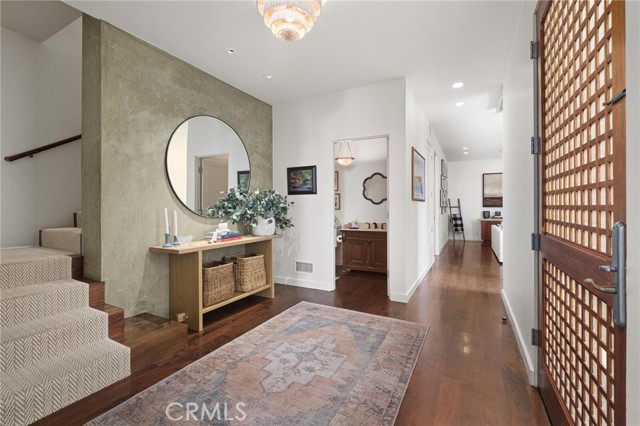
355, 43
38, 20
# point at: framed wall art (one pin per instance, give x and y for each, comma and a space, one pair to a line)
302, 180
418, 176
492, 190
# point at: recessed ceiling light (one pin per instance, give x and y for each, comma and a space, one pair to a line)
459, 104
457, 85
465, 147
229, 51
466, 152
268, 76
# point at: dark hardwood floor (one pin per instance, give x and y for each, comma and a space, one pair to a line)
469, 371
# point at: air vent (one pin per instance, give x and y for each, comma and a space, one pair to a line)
304, 267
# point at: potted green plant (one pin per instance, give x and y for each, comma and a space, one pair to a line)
263, 211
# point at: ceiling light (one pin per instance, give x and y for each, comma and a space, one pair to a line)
289, 20
229, 51
466, 152
459, 104
465, 147
344, 159
457, 85
268, 76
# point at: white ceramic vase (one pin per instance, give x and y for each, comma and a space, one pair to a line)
264, 228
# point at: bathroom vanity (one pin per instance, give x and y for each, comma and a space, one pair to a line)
365, 249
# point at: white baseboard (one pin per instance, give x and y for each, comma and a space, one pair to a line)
522, 342
444, 244
315, 285
405, 297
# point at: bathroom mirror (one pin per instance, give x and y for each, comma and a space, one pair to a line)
205, 158
374, 188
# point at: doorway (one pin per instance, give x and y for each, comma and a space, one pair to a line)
361, 209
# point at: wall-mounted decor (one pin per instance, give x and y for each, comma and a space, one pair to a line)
243, 179
336, 181
492, 190
336, 201
302, 180
374, 188
444, 187
202, 152
418, 176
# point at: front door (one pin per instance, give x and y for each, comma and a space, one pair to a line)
582, 166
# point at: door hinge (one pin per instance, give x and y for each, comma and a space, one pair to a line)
535, 145
200, 170
533, 52
536, 337
535, 242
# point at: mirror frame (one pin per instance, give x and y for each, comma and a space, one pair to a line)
166, 155
364, 188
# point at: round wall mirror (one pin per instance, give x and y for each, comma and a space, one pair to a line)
205, 158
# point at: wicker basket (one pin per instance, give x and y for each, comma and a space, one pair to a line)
249, 271
217, 282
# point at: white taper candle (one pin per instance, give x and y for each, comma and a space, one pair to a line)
166, 221
175, 223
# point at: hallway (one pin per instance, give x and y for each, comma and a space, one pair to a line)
469, 371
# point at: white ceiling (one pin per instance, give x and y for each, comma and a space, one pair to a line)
355, 43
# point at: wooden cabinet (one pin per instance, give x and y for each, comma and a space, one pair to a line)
365, 250
185, 275
485, 229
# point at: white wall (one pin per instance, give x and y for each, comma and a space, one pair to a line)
41, 84
371, 157
465, 182
633, 210
518, 292
304, 132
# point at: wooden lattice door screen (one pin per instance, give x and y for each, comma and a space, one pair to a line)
580, 68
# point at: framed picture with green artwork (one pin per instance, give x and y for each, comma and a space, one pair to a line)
302, 180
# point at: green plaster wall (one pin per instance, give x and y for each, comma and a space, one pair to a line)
143, 94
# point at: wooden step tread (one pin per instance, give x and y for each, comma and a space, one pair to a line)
152, 338
116, 319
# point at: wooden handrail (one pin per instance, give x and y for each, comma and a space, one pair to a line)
35, 151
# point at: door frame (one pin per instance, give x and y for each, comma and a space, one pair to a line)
333, 168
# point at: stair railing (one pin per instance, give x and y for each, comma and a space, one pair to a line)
35, 151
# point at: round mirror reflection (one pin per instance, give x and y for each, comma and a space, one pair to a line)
205, 158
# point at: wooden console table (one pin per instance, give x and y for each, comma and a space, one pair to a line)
185, 276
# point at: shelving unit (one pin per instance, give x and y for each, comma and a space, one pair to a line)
185, 276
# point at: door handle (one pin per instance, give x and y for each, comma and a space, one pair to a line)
618, 268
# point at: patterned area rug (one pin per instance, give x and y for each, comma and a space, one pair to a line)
310, 365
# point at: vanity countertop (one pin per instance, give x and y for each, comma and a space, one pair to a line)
364, 229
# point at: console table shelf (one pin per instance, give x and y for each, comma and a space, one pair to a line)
185, 276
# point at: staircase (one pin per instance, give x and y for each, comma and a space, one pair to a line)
54, 346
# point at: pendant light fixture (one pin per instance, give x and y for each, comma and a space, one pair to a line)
343, 159
289, 20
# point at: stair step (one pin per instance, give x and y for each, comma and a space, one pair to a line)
30, 342
28, 303
77, 266
67, 239
30, 393
116, 319
33, 265
152, 338
96, 291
